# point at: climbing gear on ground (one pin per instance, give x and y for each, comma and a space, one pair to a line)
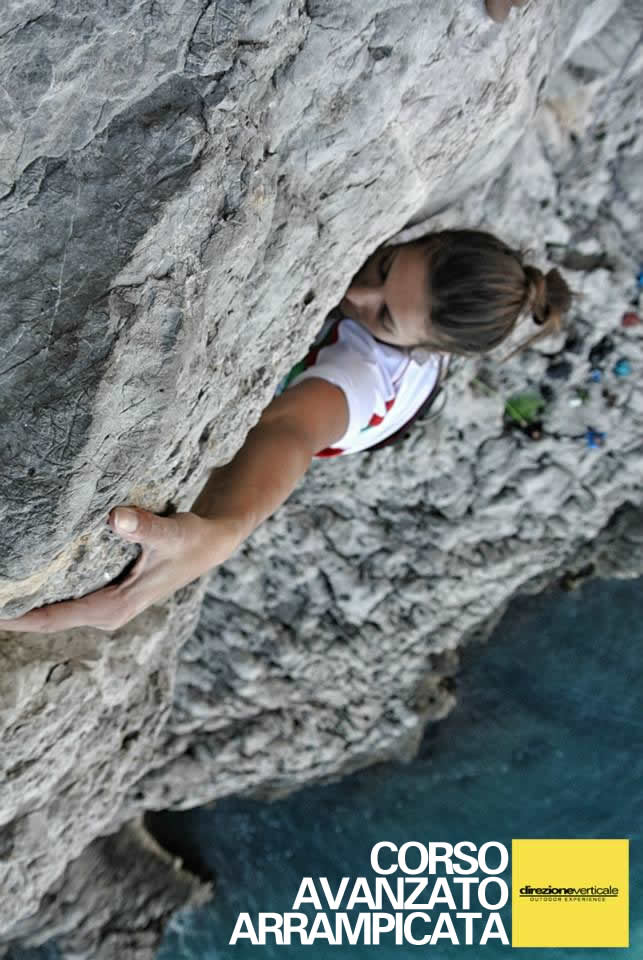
622, 368
594, 438
630, 319
600, 351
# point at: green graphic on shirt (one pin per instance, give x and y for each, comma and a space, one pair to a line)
296, 370
311, 357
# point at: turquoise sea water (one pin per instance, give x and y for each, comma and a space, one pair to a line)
546, 742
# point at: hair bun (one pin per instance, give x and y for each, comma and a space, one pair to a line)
536, 297
559, 296
548, 297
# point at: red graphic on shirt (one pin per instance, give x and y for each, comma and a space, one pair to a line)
376, 419
310, 359
373, 422
329, 452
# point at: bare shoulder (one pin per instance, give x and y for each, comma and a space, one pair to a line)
315, 408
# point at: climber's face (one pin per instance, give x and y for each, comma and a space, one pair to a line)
389, 295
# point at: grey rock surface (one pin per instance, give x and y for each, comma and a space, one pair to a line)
314, 642
114, 901
184, 194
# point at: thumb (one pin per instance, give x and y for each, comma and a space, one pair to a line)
142, 526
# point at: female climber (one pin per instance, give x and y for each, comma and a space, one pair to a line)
376, 363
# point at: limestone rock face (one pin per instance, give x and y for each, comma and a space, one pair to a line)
185, 191
114, 900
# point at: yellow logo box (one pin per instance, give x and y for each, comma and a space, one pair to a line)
570, 893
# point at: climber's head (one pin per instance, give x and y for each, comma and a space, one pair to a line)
389, 295
456, 291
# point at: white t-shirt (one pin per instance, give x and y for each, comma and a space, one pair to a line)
384, 385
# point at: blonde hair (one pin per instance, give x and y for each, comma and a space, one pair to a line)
479, 287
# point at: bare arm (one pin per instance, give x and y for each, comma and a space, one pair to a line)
276, 454
236, 499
